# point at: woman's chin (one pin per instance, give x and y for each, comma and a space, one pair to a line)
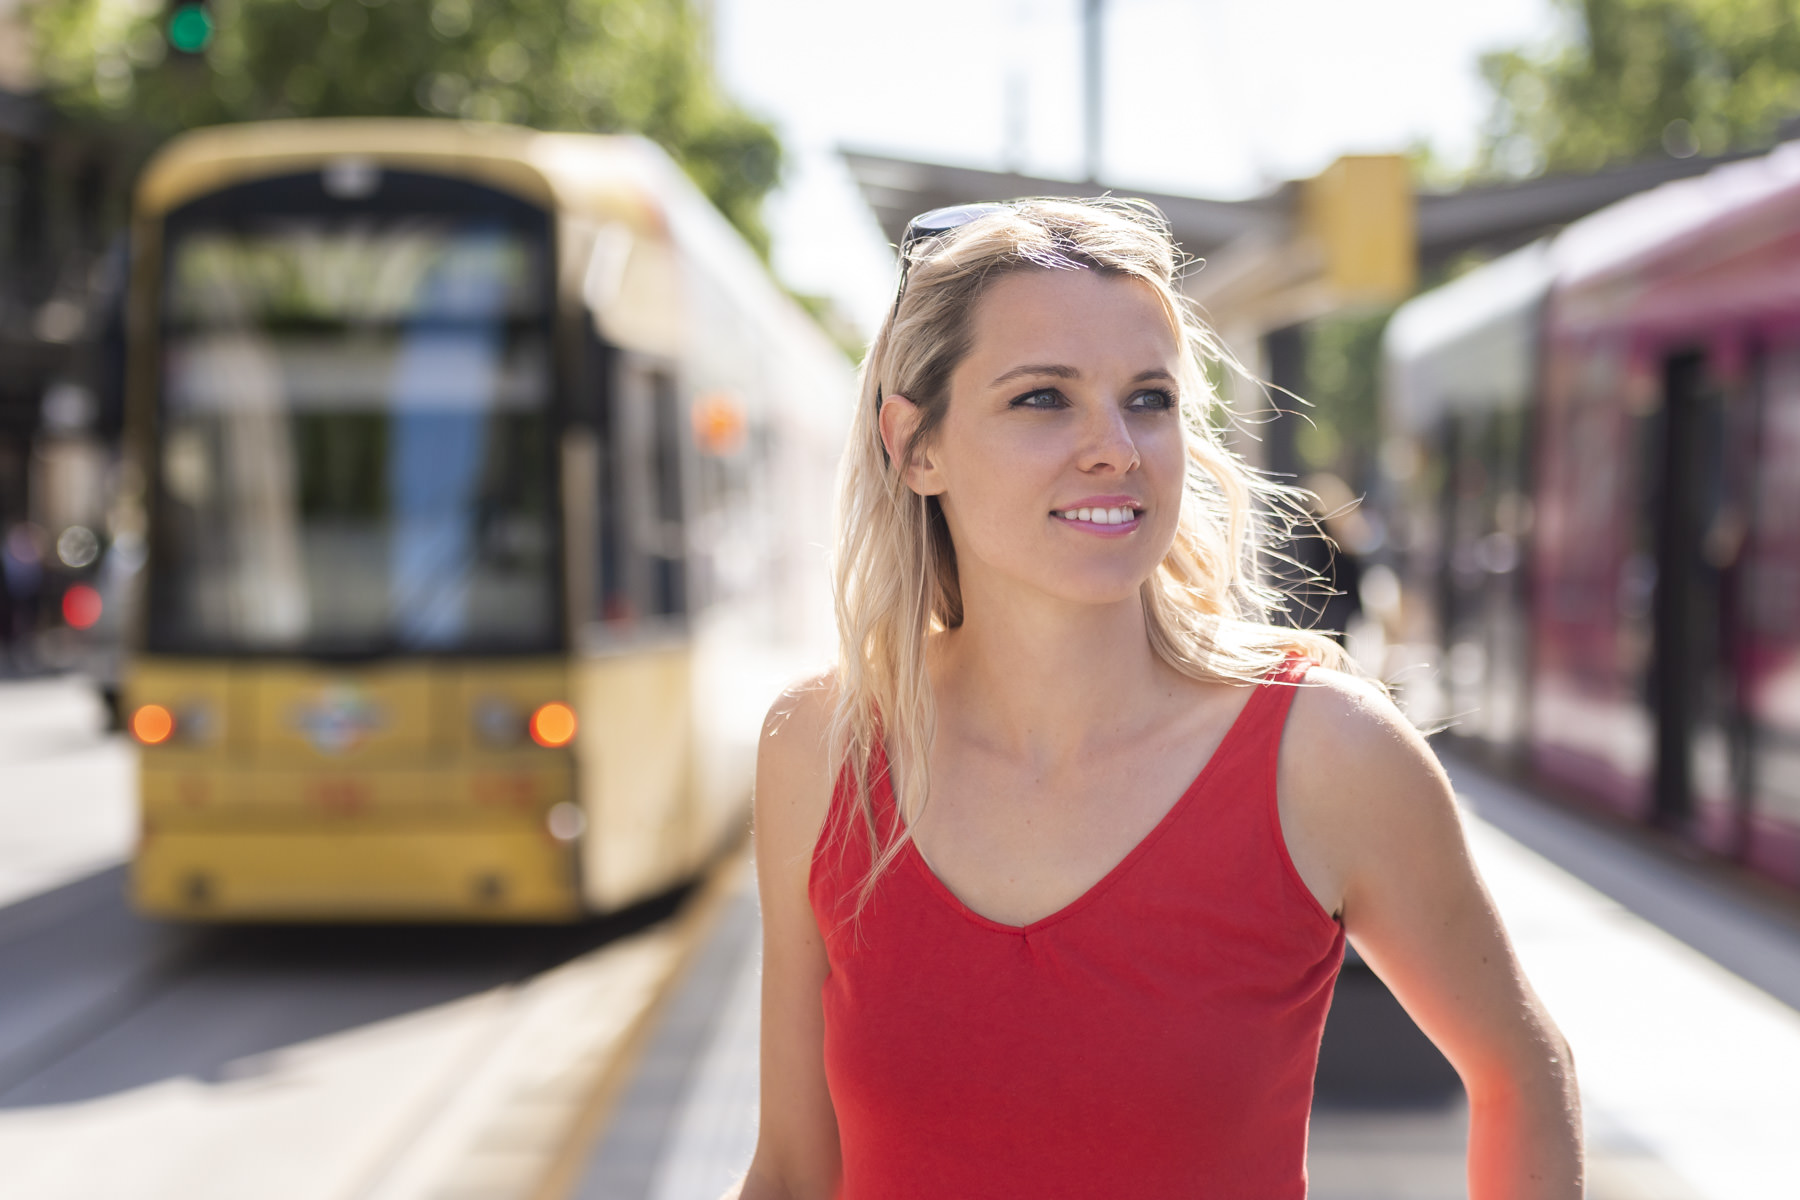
1098, 593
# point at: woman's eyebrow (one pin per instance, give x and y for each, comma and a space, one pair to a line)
1058, 371
1052, 369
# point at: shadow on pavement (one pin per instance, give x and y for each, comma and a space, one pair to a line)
95, 999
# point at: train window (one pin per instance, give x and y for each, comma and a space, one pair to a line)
642, 552
355, 425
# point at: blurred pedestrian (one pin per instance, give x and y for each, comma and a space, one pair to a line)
1058, 864
22, 562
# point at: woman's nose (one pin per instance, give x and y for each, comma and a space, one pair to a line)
1108, 444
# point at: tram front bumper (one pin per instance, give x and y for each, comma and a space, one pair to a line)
305, 844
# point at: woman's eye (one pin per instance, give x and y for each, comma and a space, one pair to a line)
1153, 400
1042, 398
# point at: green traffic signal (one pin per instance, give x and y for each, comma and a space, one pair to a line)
190, 29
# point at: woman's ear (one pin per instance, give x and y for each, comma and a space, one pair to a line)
899, 417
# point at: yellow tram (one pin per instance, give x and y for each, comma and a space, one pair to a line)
486, 480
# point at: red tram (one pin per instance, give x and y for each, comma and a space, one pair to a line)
1645, 464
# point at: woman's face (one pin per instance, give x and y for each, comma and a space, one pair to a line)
1060, 459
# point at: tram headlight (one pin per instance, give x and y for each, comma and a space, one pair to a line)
152, 724
553, 725
192, 723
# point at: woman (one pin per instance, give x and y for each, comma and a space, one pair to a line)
1057, 865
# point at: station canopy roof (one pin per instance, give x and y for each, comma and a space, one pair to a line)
1486, 219
899, 189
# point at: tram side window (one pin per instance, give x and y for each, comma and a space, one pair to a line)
669, 557
643, 536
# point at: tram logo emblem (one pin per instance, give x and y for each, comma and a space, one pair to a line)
338, 720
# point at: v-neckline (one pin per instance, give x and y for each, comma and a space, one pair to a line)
1118, 870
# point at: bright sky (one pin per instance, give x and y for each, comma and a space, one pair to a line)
1202, 97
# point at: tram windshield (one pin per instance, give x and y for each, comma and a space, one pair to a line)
354, 438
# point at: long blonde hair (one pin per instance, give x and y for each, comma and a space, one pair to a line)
1206, 607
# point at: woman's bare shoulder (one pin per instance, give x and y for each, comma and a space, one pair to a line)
798, 723
1341, 720
793, 765
1357, 780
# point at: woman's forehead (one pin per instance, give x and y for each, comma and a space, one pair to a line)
1080, 313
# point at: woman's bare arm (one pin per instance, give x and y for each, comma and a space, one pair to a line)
1372, 824
797, 1142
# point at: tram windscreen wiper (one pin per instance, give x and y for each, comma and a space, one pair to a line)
354, 440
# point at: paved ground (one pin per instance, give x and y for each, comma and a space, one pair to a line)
1680, 1055
142, 1062
65, 786
687, 1124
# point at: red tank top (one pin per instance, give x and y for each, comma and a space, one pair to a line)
1155, 1038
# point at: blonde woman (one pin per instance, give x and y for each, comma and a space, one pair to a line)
1057, 866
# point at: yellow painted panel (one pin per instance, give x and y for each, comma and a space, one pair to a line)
204, 160
489, 703
360, 874
635, 750
511, 791
208, 716
317, 713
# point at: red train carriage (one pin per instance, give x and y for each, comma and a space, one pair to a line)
1667, 558
1664, 549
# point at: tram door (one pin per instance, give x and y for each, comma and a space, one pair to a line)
634, 677
1694, 536
1482, 585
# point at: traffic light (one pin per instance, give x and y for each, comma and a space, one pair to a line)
190, 26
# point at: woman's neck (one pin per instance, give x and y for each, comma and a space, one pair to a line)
1048, 681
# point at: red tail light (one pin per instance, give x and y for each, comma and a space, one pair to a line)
81, 606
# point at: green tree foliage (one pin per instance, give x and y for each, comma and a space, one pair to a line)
596, 65
1636, 78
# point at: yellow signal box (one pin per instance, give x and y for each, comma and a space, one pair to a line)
1359, 211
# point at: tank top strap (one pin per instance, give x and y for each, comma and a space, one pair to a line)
1292, 670
1265, 713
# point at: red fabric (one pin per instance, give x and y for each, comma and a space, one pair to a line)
1155, 1038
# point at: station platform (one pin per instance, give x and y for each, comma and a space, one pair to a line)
1678, 988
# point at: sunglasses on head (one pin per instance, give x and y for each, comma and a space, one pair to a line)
923, 228
935, 224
